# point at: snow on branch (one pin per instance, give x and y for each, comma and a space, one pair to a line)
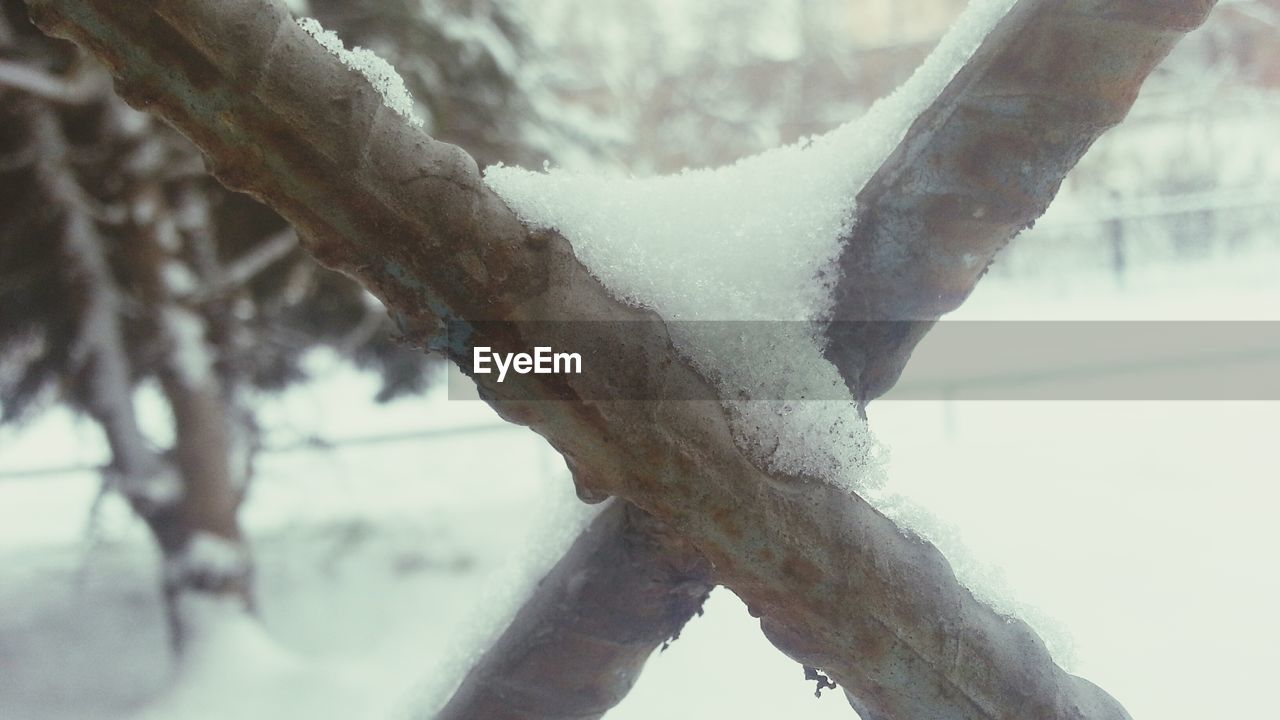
377, 71
206, 560
837, 585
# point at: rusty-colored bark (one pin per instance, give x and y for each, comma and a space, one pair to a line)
576, 648
837, 585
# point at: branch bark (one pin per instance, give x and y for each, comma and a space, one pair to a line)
837, 586
577, 647
982, 163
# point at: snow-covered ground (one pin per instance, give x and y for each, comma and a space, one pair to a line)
1143, 532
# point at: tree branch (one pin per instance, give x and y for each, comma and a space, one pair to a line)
837, 586
137, 470
576, 648
982, 163
240, 271
84, 85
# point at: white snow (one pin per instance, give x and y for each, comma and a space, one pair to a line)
298, 7
744, 242
209, 555
479, 37
560, 520
232, 669
240, 455
158, 490
184, 330
370, 554
178, 278
757, 240
1123, 520
752, 241
380, 74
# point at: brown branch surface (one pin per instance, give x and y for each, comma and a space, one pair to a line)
576, 648
983, 162
837, 586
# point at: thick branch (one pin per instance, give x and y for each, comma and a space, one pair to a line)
837, 586
983, 162
577, 647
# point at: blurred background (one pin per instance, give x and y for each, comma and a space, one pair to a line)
190, 404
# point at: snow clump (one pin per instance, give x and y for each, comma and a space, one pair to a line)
758, 241
377, 71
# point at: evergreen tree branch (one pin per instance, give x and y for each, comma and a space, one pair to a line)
101, 361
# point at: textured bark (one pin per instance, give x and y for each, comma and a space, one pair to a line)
982, 163
837, 586
576, 648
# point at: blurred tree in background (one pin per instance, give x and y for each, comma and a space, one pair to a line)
1192, 171
124, 265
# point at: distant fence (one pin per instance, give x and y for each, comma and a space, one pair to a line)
309, 444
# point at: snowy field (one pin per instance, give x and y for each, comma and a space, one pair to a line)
1143, 533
